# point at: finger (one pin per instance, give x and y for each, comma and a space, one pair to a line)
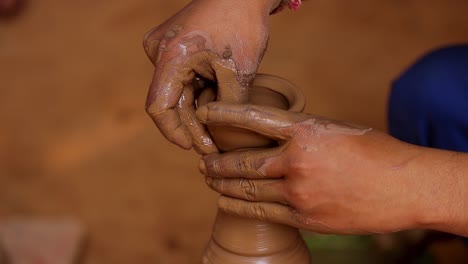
272, 122
229, 87
161, 102
201, 139
247, 189
169, 79
254, 164
151, 44
270, 212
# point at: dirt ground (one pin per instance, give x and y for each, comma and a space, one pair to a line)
75, 139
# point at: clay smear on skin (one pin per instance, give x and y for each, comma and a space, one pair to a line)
267, 163
316, 127
156, 47
168, 35
306, 222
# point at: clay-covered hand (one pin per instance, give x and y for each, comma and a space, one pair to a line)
221, 41
325, 176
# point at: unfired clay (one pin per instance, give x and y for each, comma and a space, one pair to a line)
237, 240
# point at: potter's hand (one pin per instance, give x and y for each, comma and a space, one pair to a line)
219, 40
326, 176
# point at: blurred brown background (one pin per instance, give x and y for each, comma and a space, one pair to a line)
75, 139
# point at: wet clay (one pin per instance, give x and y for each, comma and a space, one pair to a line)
237, 240
266, 90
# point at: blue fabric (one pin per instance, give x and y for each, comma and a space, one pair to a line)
428, 103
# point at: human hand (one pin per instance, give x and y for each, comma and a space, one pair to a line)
326, 176
220, 41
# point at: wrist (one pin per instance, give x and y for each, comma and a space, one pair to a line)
444, 203
264, 7
275, 4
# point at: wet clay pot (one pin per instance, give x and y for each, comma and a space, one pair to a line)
238, 240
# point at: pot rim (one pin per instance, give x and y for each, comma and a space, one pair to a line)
290, 91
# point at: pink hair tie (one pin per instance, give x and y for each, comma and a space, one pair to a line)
295, 4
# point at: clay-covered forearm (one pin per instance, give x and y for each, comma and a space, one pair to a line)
444, 191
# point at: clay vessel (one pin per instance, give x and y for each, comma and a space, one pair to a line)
238, 240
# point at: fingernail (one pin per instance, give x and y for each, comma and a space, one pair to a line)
209, 181
222, 203
202, 166
202, 113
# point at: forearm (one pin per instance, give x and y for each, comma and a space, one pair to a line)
443, 192
264, 7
